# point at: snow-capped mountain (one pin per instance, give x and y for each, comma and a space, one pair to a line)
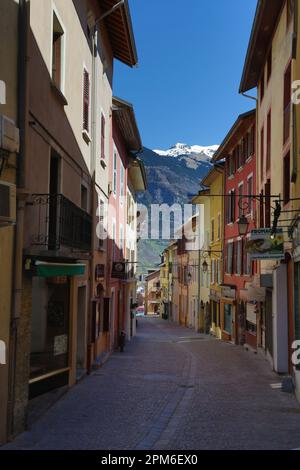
193, 155
173, 176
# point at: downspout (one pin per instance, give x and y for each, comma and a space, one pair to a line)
23, 30
294, 111
94, 205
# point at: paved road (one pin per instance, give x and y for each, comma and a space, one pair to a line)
172, 389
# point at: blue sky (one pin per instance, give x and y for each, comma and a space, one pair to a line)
191, 56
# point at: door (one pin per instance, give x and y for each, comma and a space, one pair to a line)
269, 322
228, 318
53, 230
81, 329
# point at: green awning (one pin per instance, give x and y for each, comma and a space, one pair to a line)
59, 269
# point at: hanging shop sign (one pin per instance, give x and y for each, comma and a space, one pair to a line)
265, 245
119, 270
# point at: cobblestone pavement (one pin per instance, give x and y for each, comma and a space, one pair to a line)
172, 389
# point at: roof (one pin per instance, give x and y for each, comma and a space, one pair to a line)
120, 31
153, 275
217, 169
234, 135
123, 113
265, 22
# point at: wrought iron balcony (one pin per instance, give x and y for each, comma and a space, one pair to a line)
57, 222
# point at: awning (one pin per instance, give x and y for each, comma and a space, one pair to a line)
45, 269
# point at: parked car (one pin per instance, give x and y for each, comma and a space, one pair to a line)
140, 311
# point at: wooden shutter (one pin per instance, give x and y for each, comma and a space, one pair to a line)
102, 137
106, 314
268, 157
86, 100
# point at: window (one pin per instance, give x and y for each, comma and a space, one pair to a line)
286, 178
268, 204
114, 233
102, 137
239, 258
219, 226
229, 260
241, 193
84, 198
287, 103
219, 272
213, 271
122, 183
250, 193
86, 100
262, 86
213, 230
251, 143
269, 65
121, 240
231, 207
268, 156
115, 172
101, 232
262, 153
57, 52
231, 164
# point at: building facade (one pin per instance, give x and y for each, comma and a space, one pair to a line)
238, 151
269, 66
61, 315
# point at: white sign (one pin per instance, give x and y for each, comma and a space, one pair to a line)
60, 345
2, 92
2, 353
251, 313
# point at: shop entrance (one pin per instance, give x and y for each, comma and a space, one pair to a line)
49, 357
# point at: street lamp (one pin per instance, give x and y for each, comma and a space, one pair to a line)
243, 225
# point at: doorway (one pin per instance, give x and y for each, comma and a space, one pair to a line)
81, 330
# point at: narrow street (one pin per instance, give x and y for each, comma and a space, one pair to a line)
172, 389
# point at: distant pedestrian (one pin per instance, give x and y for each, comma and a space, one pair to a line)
122, 341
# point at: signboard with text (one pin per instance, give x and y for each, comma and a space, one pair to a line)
265, 245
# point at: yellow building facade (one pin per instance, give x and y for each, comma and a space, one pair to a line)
213, 262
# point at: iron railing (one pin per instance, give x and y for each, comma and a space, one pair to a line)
56, 221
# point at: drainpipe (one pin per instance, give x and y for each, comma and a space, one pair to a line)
21, 197
94, 204
294, 111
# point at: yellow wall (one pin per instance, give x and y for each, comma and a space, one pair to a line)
216, 208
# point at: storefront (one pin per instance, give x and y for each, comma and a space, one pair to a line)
215, 313
253, 298
53, 316
228, 313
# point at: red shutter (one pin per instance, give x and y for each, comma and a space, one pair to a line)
102, 137
86, 100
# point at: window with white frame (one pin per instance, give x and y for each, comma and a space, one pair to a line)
115, 162
114, 233
122, 183
86, 101
58, 40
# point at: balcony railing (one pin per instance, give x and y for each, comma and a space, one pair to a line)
56, 221
286, 123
